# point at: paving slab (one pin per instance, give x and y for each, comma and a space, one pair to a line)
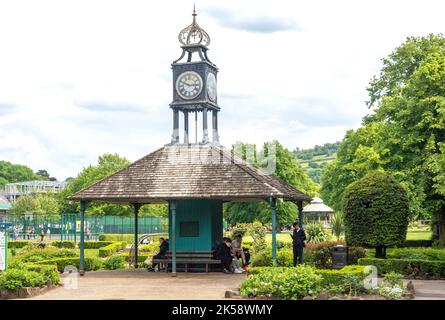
143, 285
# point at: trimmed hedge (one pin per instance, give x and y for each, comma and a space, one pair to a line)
127, 237
417, 254
141, 257
50, 272
112, 248
339, 276
423, 269
20, 278
17, 244
64, 244
91, 263
96, 244
376, 211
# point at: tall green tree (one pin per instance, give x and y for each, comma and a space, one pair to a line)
106, 166
408, 98
15, 173
286, 168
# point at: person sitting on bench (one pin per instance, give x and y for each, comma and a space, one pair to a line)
237, 249
162, 254
224, 253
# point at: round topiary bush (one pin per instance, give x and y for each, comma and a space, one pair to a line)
376, 212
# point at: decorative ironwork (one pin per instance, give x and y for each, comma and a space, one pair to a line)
194, 34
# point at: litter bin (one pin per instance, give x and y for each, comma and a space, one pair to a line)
339, 256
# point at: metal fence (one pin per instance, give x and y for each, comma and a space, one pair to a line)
67, 226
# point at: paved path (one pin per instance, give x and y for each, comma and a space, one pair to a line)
140, 284
429, 289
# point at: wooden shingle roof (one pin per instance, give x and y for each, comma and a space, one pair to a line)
190, 171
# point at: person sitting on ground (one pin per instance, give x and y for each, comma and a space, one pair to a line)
237, 248
224, 253
162, 254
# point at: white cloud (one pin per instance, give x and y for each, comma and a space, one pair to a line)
78, 79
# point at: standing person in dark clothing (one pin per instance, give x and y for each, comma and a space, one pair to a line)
224, 253
299, 237
163, 248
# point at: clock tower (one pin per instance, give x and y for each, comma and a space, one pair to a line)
194, 85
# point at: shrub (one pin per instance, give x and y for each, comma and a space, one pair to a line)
114, 262
91, 263
417, 254
376, 212
19, 278
283, 283
347, 280
96, 244
315, 233
32, 254
17, 244
319, 254
258, 233
141, 257
264, 258
112, 248
127, 237
50, 272
423, 269
64, 244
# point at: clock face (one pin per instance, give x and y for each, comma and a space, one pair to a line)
189, 85
211, 86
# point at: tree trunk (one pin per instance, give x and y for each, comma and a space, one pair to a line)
380, 252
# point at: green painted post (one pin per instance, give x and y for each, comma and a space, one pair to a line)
136, 211
273, 202
173, 227
83, 205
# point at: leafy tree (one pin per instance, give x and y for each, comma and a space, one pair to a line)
26, 204
376, 212
287, 170
15, 173
48, 204
43, 173
338, 225
106, 166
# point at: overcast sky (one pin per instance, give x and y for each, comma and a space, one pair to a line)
81, 78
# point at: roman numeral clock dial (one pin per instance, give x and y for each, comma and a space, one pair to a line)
189, 85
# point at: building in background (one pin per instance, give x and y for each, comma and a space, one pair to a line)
317, 211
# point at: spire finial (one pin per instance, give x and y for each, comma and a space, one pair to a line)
194, 34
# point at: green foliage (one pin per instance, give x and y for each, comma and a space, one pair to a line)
127, 237
19, 278
283, 283
376, 211
258, 233
91, 263
33, 254
112, 248
141, 256
417, 254
96, 244
106, 166
114, 262
406, 134
423, 269
316, 233
287, 170
338, 224
348, 280
18, 243
64, 244
15, 173
49, 272
41, 203
392, 286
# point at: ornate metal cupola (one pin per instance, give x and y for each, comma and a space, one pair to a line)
194, 84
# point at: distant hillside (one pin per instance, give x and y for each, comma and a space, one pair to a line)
315, 159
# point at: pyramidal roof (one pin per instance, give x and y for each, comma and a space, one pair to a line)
189, 171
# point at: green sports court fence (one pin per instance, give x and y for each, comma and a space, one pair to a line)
67, 226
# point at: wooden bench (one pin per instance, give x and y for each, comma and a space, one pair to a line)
188, 257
